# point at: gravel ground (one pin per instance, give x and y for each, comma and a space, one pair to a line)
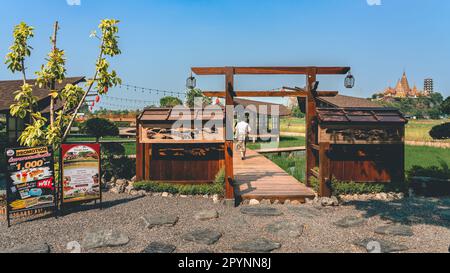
123, 213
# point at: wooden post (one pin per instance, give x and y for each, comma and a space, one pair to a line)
310, 119
139, 154
324, 170
229, 144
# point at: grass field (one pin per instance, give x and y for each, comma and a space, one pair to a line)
416, 130
130, 147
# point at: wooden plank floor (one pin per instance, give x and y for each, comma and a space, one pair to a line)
259, 178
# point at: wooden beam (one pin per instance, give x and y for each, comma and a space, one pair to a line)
229, 134
281, 70
257, 94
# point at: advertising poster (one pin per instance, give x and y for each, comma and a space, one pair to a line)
30, 181
80, 172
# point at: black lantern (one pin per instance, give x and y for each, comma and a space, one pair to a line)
349, 81
191, 82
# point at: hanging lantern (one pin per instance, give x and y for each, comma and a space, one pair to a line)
349, 81
93, 104
91, 108
191, 82
97, 99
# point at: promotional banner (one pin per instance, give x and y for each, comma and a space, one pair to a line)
80, 172
31, 181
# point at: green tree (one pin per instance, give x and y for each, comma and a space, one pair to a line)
38, 132
170, 102
441, 132
99, 127
192, 94
445, 106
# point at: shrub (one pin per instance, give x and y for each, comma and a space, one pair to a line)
218, 187
441, 131
121, 167
99, 127
439, 172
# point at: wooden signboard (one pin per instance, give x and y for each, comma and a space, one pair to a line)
31, 180
80, 173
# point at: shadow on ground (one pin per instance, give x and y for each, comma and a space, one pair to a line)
410, 211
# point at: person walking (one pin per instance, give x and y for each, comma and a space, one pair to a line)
241, 131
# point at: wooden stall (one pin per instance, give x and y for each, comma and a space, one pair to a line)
187, 155
358, 141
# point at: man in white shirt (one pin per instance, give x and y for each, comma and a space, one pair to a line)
241, 132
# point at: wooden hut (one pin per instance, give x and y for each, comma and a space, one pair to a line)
187, 155
358, 141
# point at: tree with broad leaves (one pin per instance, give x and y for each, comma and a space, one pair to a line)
170, 102
99, 127
38, 131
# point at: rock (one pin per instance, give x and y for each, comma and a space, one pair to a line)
183, 196
134, 179
114, 191
165, 194
159, 248
206, 196
259, 245
305, 212
206, 215
285, 229
395, 230
351, 221
134, 193
216, 199
104, 238
380, 246
121, 182
254, 202
276, 202
400, 195
203, 236
287, 202
266, 202
261, 211
142, 193
245, 202
296, 203
159, 220
39, 248
329, 202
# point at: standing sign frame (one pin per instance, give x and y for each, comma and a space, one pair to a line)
66, 148
34, 179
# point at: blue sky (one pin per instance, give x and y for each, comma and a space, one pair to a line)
162, 39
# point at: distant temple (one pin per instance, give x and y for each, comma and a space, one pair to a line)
403, 90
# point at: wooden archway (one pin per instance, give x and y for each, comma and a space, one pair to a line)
306, 97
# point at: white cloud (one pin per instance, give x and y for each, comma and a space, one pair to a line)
73, 2
374, 2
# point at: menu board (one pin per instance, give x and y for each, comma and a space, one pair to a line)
30, 181
80, 172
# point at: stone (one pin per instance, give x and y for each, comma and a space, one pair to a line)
285, 229
142, 193
114, 191
395, 230
329, 202
266, 202
296, 203
380, 246
216, 199
261, 211
121, 182
134, 193
245, 202
183, 196
287, 202
203, 236
159, 220
104, 238
165, 194
351, 221
258, 245
39, 248
254, 202
159, 248
276, 202
134, 179
129, 189
206, 215
400, 195
305, 212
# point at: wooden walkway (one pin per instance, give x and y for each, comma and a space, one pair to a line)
259, 178
281, 150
